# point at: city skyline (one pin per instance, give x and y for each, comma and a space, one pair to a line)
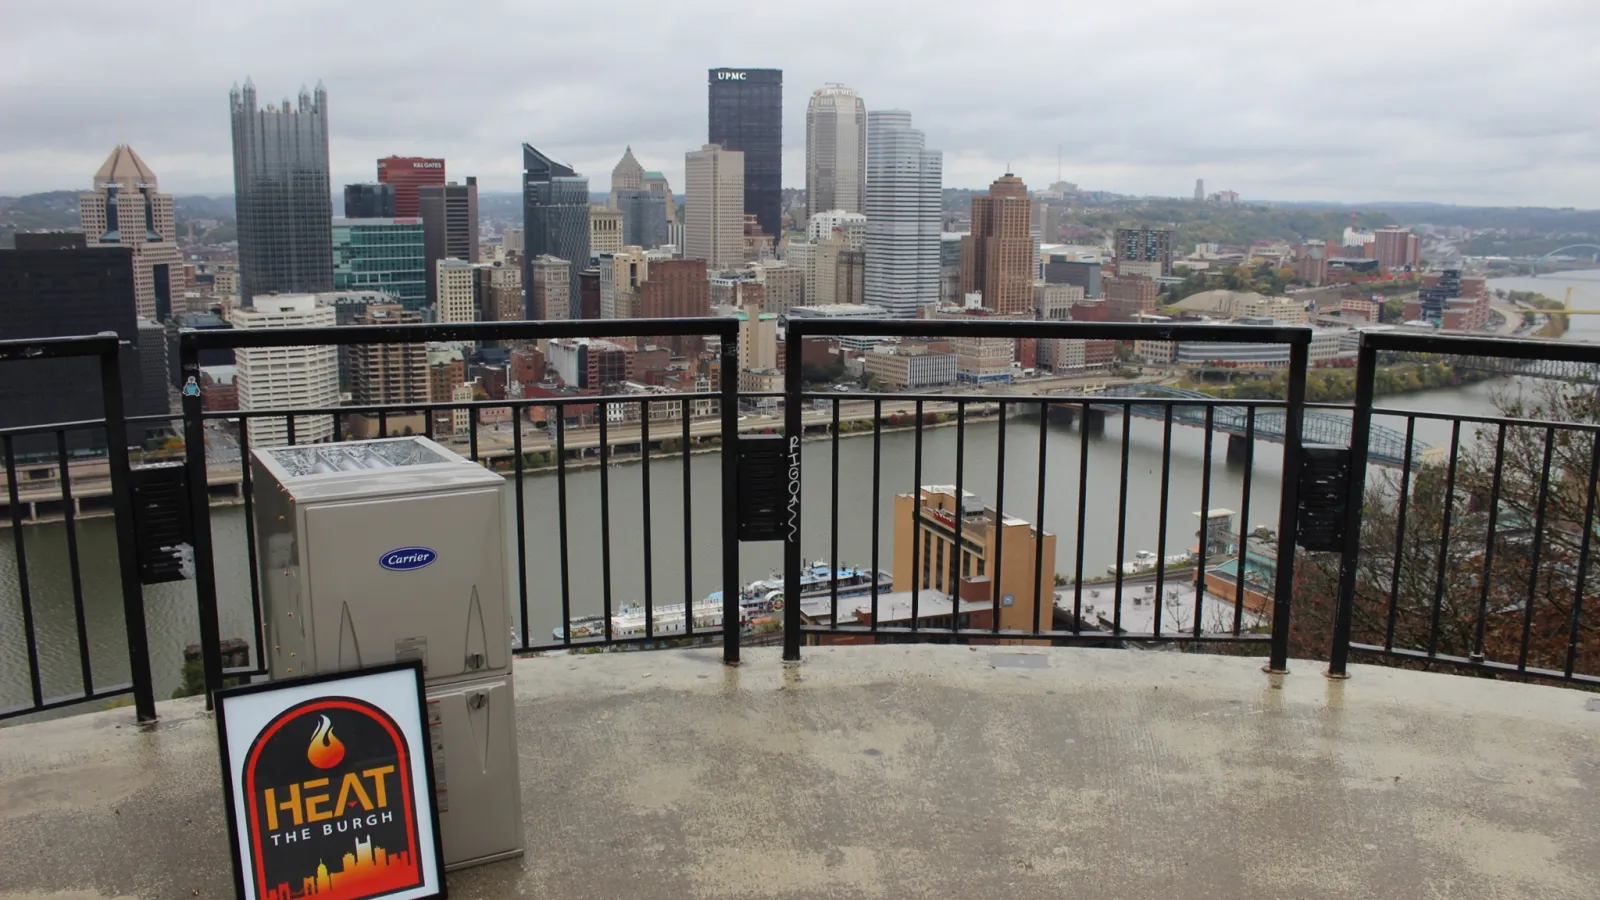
1229, 95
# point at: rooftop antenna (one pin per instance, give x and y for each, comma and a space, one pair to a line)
1058, 162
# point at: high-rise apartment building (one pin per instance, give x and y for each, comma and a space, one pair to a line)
605, 230
125, 210
287, 377
381, 255
836, 151
713, 207
369, 201
282, 195
555, 218
1143, 245
552, 286
449, 224
904, 203
455, 284
746, 115
997, 256
409, 175
1396, 248
389, 374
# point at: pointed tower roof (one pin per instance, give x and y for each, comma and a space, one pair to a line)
627, 173
124, 167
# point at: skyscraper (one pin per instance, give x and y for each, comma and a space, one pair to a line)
626, 175
713, 206
124, 210
408, 175
836, 150
369, 201
644, 217
746, 114
555, 219
449, 226
904, 203
282, 193
381, 255
997, 256
287, 377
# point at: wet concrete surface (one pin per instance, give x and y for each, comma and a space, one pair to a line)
916, 771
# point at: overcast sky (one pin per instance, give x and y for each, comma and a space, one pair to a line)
1463, 101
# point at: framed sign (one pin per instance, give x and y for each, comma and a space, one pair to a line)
329, 787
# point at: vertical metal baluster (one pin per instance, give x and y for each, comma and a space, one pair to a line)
427, 423
472, 431
1205, 516
1244, 522
644, 514
1583, 558
24, 589
1400, 535
877, 471
290, 430
1488, 544
916, 520
958, 557
685, 408
518, 471
560, 412
605, 519
1538, 548
1039, 589
258, 624
833, 525
1161, 522
1444, 537
383, 424
1122, 515
998, 528
70, 520
1083, 507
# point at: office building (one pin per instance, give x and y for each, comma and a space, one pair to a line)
54, 286
605, 230
389, 374
287, 377
282, 195
910, 367
369, 201
903, 207
552, 287
125, 210
1128, 297
449, 224
1396, 248
950, 293
836, 151
409, 175
588, 304
381, 255
455, 286
746, 115
713, 207
498, 290
644, 218
676, 288
1143, 245
626, 175
555, 218
997, 256
851, 227
783, 286
620, 275
1062, 268
656, 183
590, 363
996, 548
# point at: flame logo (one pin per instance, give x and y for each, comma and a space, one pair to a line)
326, 750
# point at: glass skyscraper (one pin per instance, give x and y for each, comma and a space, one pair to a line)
381, 255
555, 220
746, 114
282, 193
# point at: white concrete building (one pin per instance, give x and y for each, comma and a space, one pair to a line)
455, 282
713, 207
836, 150
904, 209
852, 227
287, 377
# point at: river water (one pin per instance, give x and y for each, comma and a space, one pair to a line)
172, 619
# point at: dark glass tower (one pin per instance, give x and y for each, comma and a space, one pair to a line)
555, 220
746, 113
282, 194
369, 201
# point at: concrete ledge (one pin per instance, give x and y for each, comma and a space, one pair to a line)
916, 771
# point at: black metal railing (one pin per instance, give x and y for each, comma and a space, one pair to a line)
51, 457
723, 621
962, 595
1480, 555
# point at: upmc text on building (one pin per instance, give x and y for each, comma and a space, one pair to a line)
730, 76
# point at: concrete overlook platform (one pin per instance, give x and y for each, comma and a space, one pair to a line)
916, 771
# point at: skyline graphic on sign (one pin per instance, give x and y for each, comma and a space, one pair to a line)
365, 873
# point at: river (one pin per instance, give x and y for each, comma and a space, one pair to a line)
172, 620
1585, 286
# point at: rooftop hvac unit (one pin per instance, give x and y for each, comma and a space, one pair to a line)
395, 549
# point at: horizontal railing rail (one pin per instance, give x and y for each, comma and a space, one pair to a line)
960, 593
105, 349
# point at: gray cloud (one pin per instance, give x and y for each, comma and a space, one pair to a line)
1465, 101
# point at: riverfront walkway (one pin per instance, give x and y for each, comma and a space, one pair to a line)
916, 771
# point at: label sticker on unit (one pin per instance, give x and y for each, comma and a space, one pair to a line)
412, 648
406, 559
436, 740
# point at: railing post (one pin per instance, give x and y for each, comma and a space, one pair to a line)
1360, 431
793, 432
205, 575
728, 333
144, 699
1289, 506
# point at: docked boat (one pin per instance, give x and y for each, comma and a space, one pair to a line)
1145, 561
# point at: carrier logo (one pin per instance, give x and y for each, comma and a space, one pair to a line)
405, 559
730, 76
